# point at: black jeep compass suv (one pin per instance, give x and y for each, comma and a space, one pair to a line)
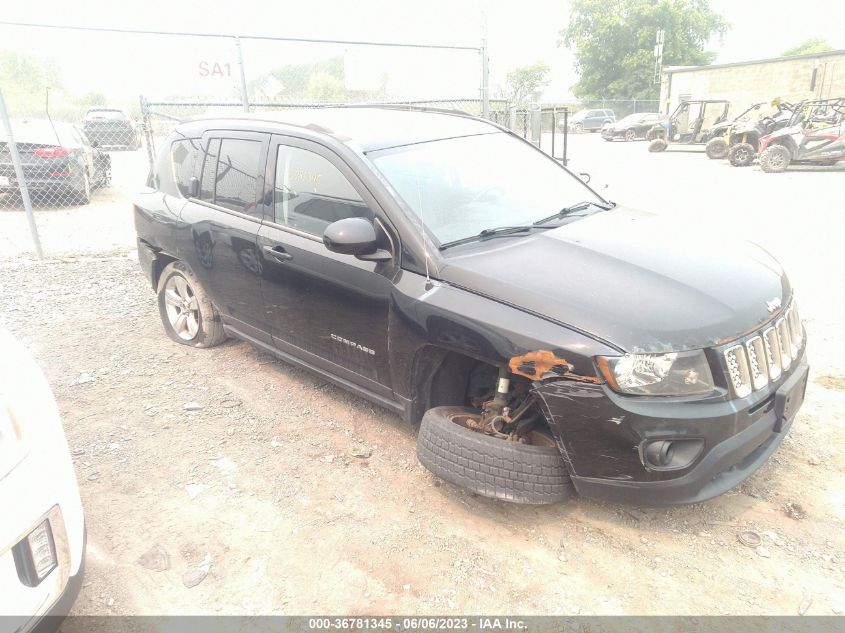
447, 270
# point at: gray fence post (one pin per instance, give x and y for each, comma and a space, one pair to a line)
148, 132
536, 123
485, 73
16, 160
244, 95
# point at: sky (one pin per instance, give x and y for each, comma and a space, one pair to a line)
519, 33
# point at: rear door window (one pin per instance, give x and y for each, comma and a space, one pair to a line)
209, 170
236, 177
230, 173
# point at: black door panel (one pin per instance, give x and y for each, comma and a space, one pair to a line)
328, 308
219, 242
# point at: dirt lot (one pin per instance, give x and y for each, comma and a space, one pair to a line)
299, 498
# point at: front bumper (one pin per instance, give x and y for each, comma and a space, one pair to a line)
43, 607
601, 441
53, 619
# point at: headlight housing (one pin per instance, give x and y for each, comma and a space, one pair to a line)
672, 374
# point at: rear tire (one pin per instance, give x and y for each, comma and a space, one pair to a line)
489, 466
775, 159
180, 296
657, 145
716, 148
742, 154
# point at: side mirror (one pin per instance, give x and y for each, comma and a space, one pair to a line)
354, 236
193, 187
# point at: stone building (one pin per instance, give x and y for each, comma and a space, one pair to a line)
813, 76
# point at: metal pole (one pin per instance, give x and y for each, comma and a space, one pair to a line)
244, 96
565, 134
148, 132
485, 72
554, 129
16, 160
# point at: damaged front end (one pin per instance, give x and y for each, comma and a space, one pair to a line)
671, 429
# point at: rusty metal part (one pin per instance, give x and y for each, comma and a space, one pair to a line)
544, 364
536, 365
475, 422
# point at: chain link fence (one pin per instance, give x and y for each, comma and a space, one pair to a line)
620, 107
83, 135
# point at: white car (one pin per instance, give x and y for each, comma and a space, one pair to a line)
42, 527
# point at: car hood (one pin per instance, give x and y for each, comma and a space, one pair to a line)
637, 282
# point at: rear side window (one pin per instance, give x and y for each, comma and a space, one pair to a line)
184, 158
311, 193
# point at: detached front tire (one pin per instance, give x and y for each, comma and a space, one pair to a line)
489, 466
186, 311
657, 145
775, 159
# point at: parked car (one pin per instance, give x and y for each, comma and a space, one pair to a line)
590, 120
112, 127
542, 336
692, 123
814, 135
632, 127
42, 527
58, 161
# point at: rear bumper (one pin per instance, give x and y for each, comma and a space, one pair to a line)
115, 137
146, 259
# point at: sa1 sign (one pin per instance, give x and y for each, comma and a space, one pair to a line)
215, 69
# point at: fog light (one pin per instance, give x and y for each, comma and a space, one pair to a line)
660, 453
36, 555
671, 454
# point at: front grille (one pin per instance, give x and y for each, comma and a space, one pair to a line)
766, 354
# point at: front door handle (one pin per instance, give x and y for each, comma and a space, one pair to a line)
277, 253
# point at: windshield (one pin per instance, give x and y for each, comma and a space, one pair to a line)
461, 186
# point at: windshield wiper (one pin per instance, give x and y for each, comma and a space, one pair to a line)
578, 206
499, 231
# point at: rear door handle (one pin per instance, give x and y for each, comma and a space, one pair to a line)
277, 253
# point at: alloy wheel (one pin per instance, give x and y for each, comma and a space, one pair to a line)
182, 307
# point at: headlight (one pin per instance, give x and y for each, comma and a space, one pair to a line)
13, 447
673, 374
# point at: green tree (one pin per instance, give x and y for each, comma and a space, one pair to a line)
613, 42
24, 80
523, 81
812, 45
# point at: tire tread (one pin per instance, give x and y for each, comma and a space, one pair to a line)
489, 466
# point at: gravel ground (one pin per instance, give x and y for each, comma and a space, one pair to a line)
280, 493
